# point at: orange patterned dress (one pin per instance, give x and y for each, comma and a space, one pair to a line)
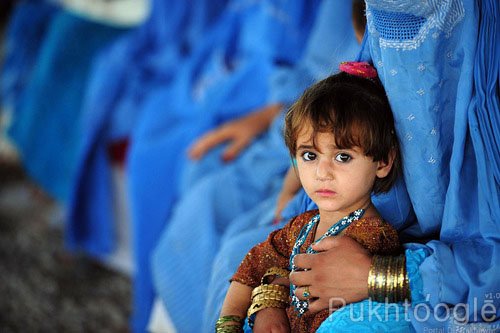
376, 235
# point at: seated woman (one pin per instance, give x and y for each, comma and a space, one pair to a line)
437, 80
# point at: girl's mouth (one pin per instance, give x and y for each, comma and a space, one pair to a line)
325, 193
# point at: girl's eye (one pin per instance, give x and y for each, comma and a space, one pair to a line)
343, 158
308, 156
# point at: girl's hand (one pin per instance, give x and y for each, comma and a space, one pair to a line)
271, 320
239, 133
336, 276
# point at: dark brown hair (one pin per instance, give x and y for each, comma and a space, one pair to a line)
356, 111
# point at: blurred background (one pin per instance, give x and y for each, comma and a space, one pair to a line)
44, 287
108, 213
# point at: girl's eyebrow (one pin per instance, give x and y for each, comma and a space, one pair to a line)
304, 146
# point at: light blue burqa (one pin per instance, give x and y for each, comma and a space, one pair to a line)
227, 76
46, 124
240, 195
440, 68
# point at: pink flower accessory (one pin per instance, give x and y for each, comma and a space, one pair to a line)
356, 68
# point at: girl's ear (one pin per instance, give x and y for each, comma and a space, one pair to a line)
384, 167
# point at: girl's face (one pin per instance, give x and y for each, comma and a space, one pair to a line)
339, 181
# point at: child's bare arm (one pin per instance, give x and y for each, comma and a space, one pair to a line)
237, 301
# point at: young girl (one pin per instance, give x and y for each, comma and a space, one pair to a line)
341, 136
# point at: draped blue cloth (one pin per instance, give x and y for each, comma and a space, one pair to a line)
122, 77
24, 36
227, 76
221, 198
439, 63
45, 126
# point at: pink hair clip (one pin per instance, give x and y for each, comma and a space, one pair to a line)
361, 69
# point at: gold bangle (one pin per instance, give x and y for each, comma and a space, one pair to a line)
274, 271
401, 278
264, 304
264, 288
387, 279
229, 329
386, 271
236, 327
271, 296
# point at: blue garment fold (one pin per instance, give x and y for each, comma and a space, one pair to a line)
46, 127
24, 36
122, 77
125, 77
367, 316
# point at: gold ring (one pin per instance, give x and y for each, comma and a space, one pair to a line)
306, 292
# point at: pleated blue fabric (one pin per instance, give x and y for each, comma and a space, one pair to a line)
46, 124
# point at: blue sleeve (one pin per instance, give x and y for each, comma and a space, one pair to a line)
415, 255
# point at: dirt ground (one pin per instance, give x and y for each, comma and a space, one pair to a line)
42, 287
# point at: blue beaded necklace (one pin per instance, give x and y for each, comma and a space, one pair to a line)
302, 306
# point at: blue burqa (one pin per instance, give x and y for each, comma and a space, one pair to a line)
227, 76
45, 126
122, 77
439, 63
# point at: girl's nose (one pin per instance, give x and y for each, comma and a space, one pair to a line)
324, 170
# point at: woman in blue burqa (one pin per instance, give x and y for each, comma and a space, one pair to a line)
439, 63
124, 76
226, 76
45, 124
241, 195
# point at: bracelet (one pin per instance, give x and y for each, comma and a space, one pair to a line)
269, 288
274, 271
281, 297
388, 280
237, 327
267, 296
